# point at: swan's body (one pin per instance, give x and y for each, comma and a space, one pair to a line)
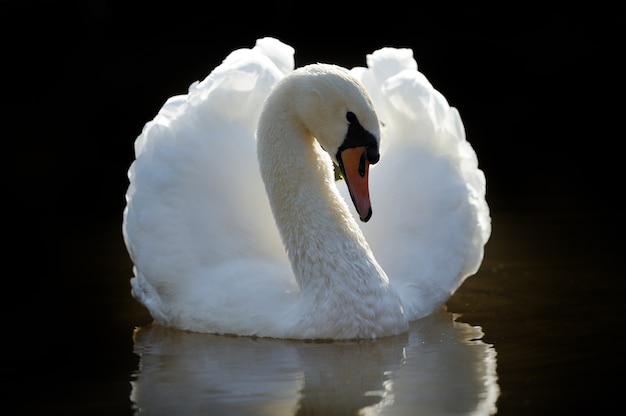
203, 236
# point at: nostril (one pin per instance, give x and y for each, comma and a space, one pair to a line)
362, 165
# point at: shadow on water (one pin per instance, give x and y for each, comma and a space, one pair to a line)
440, 367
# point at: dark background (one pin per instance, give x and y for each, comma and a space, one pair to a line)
539, 87
540, 90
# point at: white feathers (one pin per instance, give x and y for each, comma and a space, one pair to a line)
199, 228
428, 194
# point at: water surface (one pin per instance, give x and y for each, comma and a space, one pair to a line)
439, 367
536, 331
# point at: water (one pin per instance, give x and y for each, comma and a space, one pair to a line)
536, 331
439, 367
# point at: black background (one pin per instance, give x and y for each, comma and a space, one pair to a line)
539, 88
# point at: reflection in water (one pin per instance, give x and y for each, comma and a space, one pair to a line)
439, 367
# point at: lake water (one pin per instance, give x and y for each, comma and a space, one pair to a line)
439, 367
536, 331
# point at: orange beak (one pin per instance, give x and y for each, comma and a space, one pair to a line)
355, 167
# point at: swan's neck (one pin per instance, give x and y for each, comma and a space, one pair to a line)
344, 291
321, 237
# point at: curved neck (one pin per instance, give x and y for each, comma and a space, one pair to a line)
322, 239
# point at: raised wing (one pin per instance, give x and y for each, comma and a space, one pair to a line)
198, 224
430, 219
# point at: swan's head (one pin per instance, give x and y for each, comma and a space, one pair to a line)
336, 108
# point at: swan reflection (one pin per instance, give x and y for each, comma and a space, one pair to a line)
439, 367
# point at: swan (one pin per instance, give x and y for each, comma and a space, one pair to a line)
236, 224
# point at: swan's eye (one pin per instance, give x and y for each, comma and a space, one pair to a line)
357, 136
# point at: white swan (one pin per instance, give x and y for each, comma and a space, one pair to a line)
200, 230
